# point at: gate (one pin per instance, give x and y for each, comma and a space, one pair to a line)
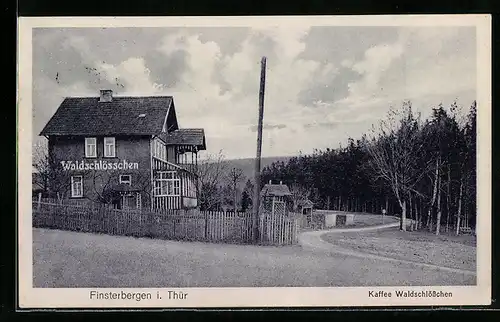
278, 229
278, 208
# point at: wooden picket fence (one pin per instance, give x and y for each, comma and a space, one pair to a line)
66, 201
188, 225
279, 229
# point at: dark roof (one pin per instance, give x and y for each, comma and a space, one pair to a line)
186, 137
89, 116
275, 190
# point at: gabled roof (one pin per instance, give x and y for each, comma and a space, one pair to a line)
194, 137
305, 203
123, 115
275, 190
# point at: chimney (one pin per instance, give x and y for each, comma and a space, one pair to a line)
106, 95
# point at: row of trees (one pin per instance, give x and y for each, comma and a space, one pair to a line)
419, 169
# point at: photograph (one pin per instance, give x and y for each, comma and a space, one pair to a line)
170, 156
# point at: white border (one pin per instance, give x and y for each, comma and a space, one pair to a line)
30, 297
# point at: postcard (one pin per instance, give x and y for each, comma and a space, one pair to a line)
258, 161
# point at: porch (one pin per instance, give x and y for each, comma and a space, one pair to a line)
174, 187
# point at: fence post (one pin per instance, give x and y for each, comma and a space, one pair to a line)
39, 201
206, 225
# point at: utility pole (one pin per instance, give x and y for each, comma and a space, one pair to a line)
256, 190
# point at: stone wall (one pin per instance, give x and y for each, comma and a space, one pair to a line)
336, 218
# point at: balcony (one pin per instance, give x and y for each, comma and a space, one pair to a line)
188, 166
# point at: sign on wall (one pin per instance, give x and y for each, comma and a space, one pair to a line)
99, 165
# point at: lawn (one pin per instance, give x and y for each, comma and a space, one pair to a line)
444, 250
71, 259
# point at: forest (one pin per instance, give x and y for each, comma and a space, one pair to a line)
413, 168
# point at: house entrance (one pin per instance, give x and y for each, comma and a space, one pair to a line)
131, 201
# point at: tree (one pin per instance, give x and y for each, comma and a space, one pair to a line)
299, 194
444, 142
235, 176
50, 176
249, 188
247, 195
394, 151
210, 173
468, 166
246, 201
226, 197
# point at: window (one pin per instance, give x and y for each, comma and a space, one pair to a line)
76, 186
155, 148
157, 188
167, 184
109, 147
126, 178
162, 152
90, 147
159, 150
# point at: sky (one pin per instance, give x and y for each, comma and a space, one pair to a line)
323, 84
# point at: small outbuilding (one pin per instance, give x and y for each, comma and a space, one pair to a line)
305, 206
276, 198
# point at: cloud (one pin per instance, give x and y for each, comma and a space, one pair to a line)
376, 62
131, 74
267, 126
321, 124
425, 65
345, 43
323, 84
166, 69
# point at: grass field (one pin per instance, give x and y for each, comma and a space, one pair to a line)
70, 259
444, 250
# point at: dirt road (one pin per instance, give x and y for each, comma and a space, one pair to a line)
312, 240
70, 259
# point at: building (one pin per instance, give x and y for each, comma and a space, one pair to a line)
276, 199
305, 206
128, 151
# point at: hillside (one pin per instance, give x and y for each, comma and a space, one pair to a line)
248, 165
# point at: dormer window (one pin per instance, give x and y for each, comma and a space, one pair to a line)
109, 147
126, 179
90, 148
